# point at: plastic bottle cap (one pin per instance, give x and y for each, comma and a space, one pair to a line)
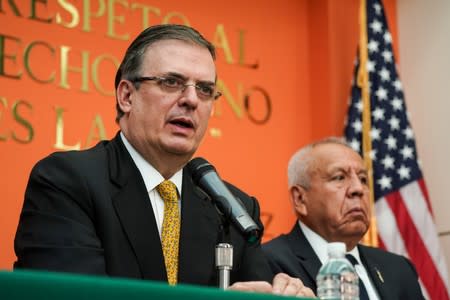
336, 249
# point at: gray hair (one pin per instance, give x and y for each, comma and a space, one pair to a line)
132, 61
300, 162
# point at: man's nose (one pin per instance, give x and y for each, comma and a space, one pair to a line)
356, 188
189, 96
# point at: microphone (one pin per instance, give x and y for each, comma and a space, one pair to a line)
206, 177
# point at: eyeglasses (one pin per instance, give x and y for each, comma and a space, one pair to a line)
171, 84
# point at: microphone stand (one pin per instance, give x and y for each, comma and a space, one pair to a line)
224, 263
224, 253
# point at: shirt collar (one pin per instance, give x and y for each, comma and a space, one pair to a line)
319, 244
152, 178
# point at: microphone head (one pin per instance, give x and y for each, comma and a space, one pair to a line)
230, 206
199, 167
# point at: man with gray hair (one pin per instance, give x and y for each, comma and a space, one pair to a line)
328, 186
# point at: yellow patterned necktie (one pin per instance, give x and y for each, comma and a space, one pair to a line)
170, 234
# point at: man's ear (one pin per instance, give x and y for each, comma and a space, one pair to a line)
299, 199
124, 95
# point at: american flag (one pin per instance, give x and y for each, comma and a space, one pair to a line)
402, 208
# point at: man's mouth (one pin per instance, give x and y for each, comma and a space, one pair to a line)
182, 122
356, 211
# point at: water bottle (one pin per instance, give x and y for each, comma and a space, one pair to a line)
337, 278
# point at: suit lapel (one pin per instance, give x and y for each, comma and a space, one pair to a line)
303, 250
374, 271
198, 236
134, 210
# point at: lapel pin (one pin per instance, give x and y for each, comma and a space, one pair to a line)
379, 275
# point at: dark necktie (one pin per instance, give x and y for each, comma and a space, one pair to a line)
362, 289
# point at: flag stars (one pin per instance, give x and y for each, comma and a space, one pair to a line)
388, 162
387, 37
373, 46
375, 133
381, 93
355, 144
357, 126
404, 172
387, 55
385, 182
407, 152
397, 85
373, 154
397, 104
378, 114
408, 133
370, 66
392, 149
408, 115
419, 163
385, 74
394, 123
359, 105
377, 8
377, 26
391, 142
396, 169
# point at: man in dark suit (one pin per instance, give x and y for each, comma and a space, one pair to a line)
103, 210
328, 185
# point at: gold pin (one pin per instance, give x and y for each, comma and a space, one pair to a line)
379, 275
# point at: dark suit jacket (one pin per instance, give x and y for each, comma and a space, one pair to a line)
394, 276
89, 212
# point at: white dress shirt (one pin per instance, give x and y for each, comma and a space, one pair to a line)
319, 246
152, 178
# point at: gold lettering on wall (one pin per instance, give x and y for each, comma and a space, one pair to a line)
87, 13
34, 14
241, 56
266, 103
13, 7
12, 57
215, 132
4, 103
95, 73
97, 131
59, 143
146, 10
220, 41
72, 10
19, 119
27, 53
230, 99
113, 18
65, 68
79, 68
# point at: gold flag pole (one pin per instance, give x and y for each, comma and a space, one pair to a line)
371, 237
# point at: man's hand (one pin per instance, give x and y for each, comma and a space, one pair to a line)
282, 284
252, 286
286, 285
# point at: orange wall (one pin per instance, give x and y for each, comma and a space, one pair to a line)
303, 51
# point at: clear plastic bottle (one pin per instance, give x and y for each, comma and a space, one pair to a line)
337, 279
